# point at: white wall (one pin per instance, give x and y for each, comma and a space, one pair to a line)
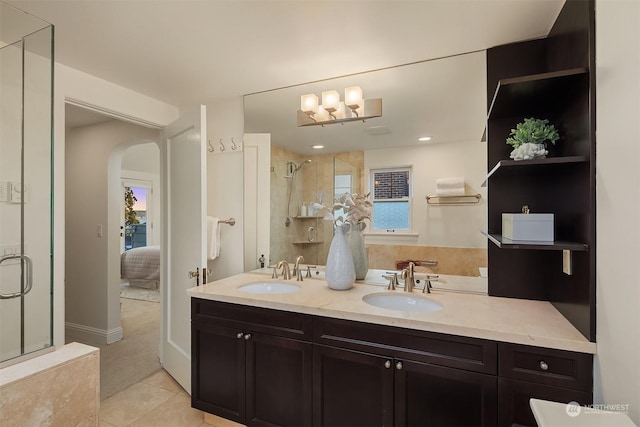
617, 368
94, 200
450, 226
225, 119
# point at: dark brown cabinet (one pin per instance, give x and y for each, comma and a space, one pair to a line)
352, 388
391, 383
265, 367
531, 372
251, 373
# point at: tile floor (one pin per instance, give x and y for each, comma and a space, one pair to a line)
155, 401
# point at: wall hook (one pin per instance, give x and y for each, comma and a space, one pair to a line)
210, 147
233, 144
222, 147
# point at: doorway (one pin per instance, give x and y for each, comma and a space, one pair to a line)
102, 154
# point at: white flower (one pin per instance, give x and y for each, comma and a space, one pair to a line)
357, 208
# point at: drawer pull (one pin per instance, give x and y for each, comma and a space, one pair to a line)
543, 365
240, 335
387, 364
399, 366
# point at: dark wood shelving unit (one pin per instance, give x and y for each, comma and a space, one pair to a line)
554, 79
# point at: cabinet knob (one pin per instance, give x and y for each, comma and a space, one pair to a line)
399, 366
240, 335
387, 364
543, 365
247, 336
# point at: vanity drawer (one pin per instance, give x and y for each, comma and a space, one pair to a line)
556, 368
274, 322
471, 354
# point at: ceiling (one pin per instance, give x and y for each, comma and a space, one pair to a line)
185, 52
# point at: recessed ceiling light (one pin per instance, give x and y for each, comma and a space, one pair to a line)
424, 139
317, 147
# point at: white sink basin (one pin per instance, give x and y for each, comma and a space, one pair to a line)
269, 288
402, 302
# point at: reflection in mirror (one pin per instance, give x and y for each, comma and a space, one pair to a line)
444, 99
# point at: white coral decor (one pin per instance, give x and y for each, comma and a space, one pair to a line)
529, 151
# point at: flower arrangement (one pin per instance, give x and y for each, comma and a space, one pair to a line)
356, 208
529, 139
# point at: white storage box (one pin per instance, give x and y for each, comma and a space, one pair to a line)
536, 227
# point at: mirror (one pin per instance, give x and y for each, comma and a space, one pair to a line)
444, 99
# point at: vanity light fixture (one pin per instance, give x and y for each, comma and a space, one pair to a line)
332, 110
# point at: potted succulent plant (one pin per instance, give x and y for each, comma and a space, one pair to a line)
530, 137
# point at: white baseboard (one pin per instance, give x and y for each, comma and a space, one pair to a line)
93, 336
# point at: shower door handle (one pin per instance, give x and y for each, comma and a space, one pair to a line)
28, 275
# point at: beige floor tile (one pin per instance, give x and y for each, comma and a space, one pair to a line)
163, 380
127, 406
103, 423
176, 412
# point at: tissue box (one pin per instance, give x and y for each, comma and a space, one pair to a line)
536, 227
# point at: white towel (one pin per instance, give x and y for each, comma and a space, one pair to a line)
213, 238
451, 186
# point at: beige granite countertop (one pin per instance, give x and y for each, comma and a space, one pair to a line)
535, 323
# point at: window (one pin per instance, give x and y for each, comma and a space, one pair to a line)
391, 199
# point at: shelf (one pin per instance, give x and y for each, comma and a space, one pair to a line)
304, 242
537, 92
504, 243
306, 217
503, 164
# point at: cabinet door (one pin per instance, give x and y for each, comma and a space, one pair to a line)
351, 388
278, 383
429, 395
218, 370
514, 398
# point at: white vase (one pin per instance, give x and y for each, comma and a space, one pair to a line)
340, 272
356, 245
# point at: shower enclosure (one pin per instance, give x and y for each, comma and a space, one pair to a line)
26, 248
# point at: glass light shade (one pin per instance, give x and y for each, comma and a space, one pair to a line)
309, 103
353, 97
330, 100
322, 115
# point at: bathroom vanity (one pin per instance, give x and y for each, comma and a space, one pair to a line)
320, 357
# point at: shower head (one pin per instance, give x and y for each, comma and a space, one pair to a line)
301, 165
292, 168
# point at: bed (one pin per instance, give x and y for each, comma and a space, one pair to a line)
141, 266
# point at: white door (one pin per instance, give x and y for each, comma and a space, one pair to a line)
257, 193
183, 237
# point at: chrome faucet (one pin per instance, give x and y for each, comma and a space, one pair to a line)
296, 268
286, 273
409, 278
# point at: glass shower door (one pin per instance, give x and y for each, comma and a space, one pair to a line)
26, 65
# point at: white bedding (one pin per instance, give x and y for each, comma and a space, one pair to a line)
141, 263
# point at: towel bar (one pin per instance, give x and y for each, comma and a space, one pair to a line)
453, 200
230, 221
